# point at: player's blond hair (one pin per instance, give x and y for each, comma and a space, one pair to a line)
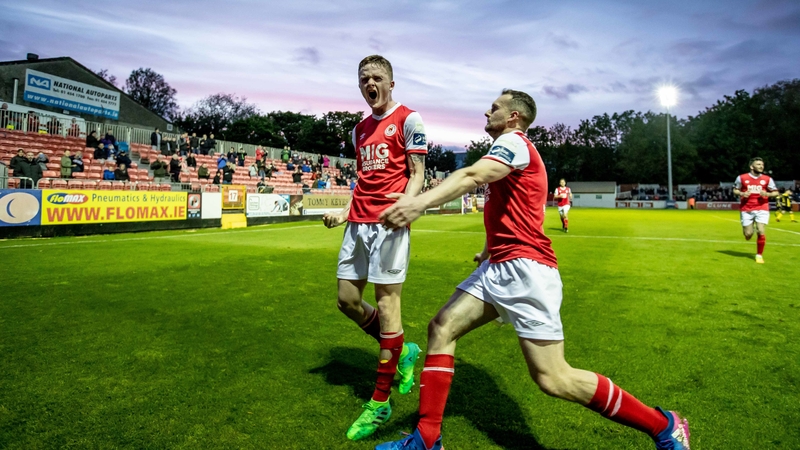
524, 105
379, 61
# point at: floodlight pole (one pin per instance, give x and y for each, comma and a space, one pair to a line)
669, 160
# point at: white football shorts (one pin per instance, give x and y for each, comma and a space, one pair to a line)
759, 216
524, 292
563, 209
371, 252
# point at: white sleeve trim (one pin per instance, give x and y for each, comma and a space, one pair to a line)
414, 131
353, 135
738, 182
771, 185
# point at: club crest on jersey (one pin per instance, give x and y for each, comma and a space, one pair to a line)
763, 182
390, 130
374, 156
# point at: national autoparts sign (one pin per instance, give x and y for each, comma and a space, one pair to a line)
58, 92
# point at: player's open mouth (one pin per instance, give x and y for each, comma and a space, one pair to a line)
373, 95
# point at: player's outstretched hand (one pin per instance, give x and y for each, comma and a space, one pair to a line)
406, 210
333, 220
480, 257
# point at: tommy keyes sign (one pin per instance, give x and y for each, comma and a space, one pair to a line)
62, 93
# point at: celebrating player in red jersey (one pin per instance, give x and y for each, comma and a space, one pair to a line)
564, 195
517, 280
755, 189
390, 154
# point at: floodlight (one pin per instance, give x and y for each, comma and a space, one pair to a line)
668, 95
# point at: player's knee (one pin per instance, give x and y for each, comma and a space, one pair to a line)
439, 330
345, 303
554, 384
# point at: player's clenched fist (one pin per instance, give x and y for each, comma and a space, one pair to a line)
333, 220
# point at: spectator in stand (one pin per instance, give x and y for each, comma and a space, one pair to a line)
352, 183
91, 140
100, 152
296, 158
262, 187
191, 161
232, 155
253, 171
16, 161
222, 162
159, 168
109, 147
29, 168
202, 172
42, 160
271, 170
121, 173
305, 168
285, 155
108, 174
327, 181
175, 168
66, 165
110, 137
227, 173
217, 177
259, 153
242, 156
211, 144
202, 145
77, 162
297, 176
326, 162
74, 129
183, 145
290, 166
194, 144
123, 158
155, 140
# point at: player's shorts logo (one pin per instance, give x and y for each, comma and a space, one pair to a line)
390, 130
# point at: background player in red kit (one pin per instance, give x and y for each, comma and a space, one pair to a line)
755, 189
564, 196
517, 280
390, 155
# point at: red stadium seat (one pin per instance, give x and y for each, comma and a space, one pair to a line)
44, 183
90, 184
79, 175
75, 184
59, 184
165, 187
51, 174
104, 185
118, 186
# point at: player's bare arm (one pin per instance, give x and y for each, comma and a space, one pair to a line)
416, 167
743, 194
408, 209
483, 255
332, 220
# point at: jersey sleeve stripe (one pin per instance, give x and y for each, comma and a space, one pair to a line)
498, 160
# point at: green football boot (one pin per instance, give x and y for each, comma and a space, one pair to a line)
405, 367
374, 415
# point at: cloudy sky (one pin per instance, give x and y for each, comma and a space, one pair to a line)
451, 58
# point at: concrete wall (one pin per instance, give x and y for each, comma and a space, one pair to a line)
593, 200
130, 112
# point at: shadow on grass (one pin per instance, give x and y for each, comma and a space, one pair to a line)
474, 395
736, 254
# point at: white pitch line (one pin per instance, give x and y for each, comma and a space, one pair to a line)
638, 238
187, 235
772, 228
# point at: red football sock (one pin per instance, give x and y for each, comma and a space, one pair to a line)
373, 325
387, 368
566, 223
760, 243
434, 385
615, 404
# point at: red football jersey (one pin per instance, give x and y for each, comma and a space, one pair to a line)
514, 209
565, 191
382, 144
756, 185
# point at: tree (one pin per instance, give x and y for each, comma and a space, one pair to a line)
216, 114
150, 90
341, 124
103, 73
476, 150
643, 151
258, 130
440, 159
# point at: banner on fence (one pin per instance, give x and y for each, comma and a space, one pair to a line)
729, 206
262, 205
58, 92
20, 208
321, 204
71, 207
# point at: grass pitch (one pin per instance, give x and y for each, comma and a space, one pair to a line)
231, 339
